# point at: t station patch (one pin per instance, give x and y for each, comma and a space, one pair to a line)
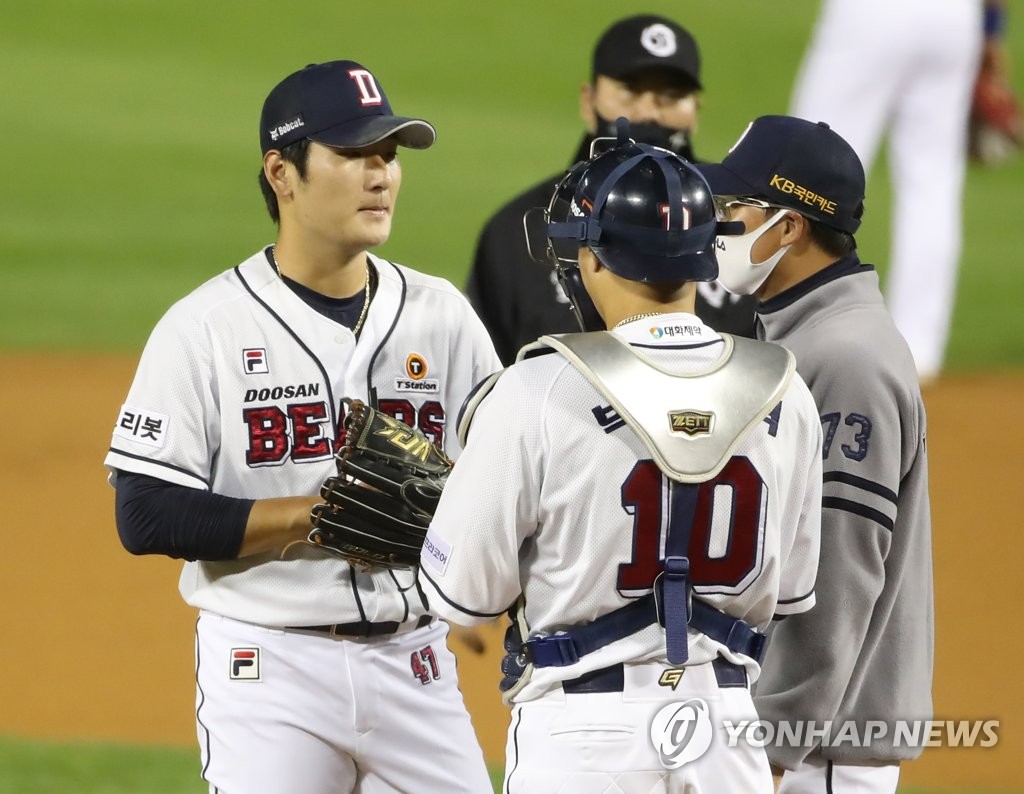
415, 379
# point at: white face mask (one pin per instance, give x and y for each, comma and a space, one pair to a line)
736, 272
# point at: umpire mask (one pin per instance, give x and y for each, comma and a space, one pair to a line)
651, 133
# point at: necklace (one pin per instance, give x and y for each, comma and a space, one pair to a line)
366, 293
636, 317
366, 305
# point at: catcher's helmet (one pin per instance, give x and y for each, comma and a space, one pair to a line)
645, 212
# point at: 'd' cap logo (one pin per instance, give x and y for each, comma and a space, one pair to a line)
416, 366
693, 423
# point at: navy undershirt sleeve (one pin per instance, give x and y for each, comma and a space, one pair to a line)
157, 517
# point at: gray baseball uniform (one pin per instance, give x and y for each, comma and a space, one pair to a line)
865, 651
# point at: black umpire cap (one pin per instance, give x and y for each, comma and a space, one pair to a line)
647, 41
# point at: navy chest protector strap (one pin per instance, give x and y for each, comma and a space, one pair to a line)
561, 650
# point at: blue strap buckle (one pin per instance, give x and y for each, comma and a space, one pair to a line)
672, 594
557, 650
746, 640
676, 572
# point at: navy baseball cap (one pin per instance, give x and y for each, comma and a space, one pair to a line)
647, 41
796, 164
339, 103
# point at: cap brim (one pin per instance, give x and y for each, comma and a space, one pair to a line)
412, 133
651, 64
724, 182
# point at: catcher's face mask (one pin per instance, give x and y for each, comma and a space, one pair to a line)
564, 250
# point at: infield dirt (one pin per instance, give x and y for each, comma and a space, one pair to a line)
98, 645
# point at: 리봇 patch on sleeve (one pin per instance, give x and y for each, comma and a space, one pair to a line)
141, 426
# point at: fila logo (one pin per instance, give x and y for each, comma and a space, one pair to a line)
254, 361
369, 94
245, 664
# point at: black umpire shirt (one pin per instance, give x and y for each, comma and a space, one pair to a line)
519, 299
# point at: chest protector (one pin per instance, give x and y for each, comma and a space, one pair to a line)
691, 423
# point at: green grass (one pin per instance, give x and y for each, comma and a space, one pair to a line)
51, 768
38, 768
80, 768
132, 150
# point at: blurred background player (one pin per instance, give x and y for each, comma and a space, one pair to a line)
865, 652
903, 71
996, 130
311, 675
565, 512
647, 69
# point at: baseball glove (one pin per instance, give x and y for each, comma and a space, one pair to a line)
995, 130
377, 510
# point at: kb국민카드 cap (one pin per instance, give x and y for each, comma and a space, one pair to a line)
647, 42
338, 103
797, 164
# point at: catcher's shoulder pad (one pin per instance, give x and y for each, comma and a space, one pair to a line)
471, 403
534, 349
483, 388
690, 423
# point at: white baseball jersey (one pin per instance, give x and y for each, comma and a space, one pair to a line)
239, 392
904, 70
557, 499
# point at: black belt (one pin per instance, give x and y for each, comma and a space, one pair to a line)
363, 628
612, 679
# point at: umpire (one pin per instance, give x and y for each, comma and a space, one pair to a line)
647, 69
